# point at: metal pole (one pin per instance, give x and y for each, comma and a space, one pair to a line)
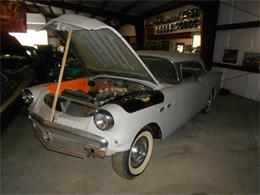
60, 77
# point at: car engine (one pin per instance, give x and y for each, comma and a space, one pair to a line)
102, 90
105, 89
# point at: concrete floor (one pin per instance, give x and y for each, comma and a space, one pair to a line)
213, 153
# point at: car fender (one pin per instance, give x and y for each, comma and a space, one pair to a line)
127, 125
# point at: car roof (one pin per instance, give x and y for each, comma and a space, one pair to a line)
176, 57
10, 45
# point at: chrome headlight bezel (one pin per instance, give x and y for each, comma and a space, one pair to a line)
27, 96
103, 120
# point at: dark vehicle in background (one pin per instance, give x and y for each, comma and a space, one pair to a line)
10, 100
73, 69
23, 65
31, 51
16, 74
47, 65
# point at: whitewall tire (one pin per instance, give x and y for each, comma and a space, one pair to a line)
133, 162
209, 104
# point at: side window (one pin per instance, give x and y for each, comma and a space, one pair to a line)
163, 69
191, 70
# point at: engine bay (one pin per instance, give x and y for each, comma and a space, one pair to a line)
102, 90
106, 89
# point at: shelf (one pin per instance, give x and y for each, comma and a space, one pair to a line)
239, 25
254, 69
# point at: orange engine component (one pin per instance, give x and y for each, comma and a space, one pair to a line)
77, 84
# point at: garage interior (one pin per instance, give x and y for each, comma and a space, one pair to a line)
216, 152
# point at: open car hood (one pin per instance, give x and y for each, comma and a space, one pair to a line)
100, 48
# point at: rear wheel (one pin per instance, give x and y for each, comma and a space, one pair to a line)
133, 162
209, 104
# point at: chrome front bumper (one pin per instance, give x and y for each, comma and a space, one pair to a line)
67, 140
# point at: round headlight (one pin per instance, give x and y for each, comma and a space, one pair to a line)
27, 96
103, 120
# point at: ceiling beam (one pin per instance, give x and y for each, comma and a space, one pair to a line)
131, 6
86, 9
24, 6
79, 3
37, 7
104, 4
165, 7
52, 13
63, 9
39, 10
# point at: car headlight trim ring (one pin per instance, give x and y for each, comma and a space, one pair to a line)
27, 96
103, 120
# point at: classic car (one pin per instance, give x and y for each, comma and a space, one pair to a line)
126, 102
16, 74
30, 50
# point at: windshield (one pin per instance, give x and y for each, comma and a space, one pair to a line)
103, 52
163, 69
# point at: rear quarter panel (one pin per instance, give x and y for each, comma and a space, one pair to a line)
213, 79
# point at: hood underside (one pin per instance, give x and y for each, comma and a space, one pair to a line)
100, 48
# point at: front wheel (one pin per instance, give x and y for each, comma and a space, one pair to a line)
133, 162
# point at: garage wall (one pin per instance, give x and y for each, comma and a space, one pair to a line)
242, 83
237, 11
155, 41
242, 39
35, 21
173, 12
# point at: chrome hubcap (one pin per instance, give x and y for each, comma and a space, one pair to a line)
139, 152
209, 102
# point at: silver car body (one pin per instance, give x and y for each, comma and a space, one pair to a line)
78, 135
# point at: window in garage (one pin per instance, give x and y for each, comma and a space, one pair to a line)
32, 37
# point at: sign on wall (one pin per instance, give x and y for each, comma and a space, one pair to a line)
186, 19
252, 59
230, 56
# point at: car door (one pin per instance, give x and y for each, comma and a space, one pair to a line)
165, 72
9, 92
193, 87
